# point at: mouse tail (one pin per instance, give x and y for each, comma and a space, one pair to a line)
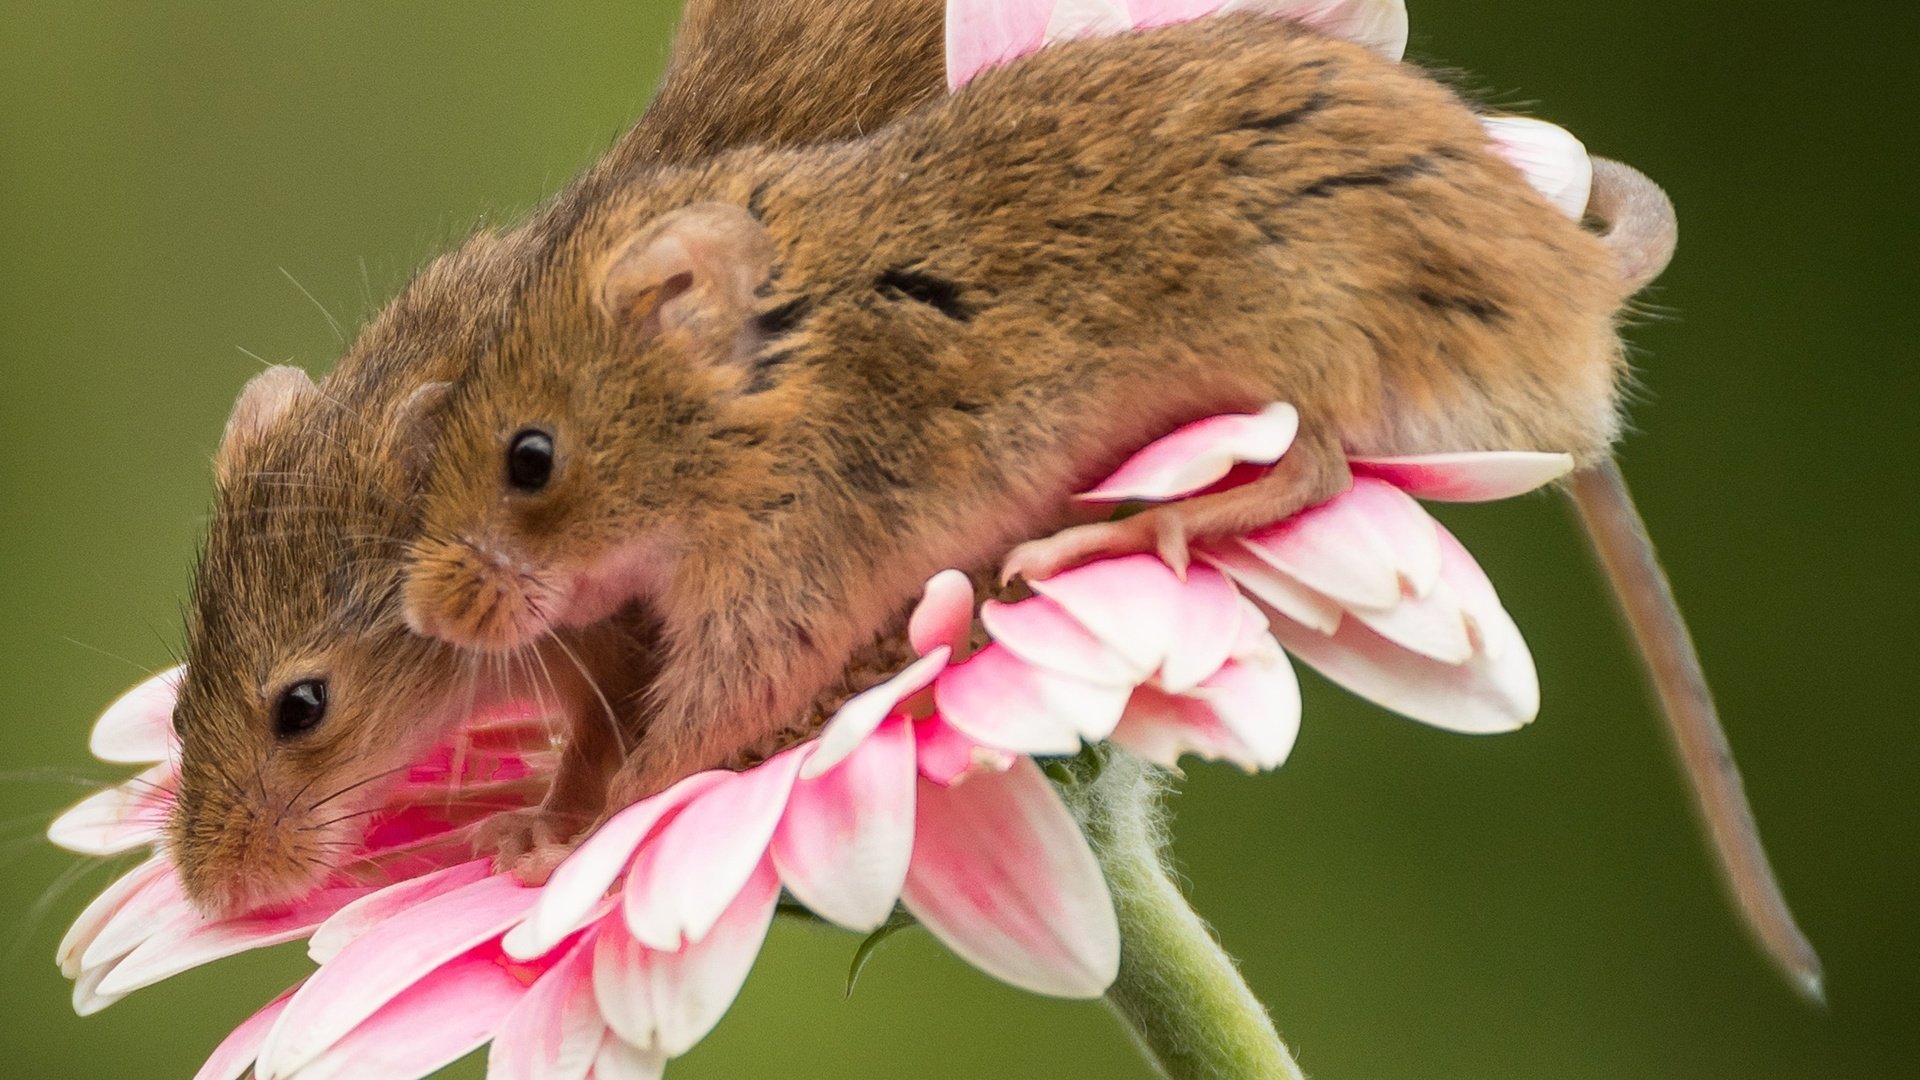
1637, 222
1620, 539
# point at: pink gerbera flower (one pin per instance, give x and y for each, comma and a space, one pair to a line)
922, 794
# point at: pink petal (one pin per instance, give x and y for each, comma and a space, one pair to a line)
1127, 603
87, 998
1377, 24
579, 883
373, 972
983, 33
157, 901
864, 712
371, 910
1003, 702
1271, 587
1257, 698
555, 1031
1040, 632
1206, 624
442, 1018
1494, 633
1151, 13
843, 844
1076, 19
234, 1056
947, 757
1199, 454
138, 727
944, 615
1366, 548
102, 910
1254, 637
1434, 625
1551, 159
1482, 696
619, 1061
669, 1000
1002, 876
190, 941
120, 818
682, 881
1466, 477
1162, 728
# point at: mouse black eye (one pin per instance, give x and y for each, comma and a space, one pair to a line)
301, 708
530, 460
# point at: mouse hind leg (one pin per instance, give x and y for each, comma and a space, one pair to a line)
1313, 470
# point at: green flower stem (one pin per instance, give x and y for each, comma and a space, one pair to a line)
1179, 994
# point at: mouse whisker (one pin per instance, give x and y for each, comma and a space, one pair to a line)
355, 786
341, 818
613, 718
292, 799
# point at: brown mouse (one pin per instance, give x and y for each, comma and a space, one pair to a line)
304, 689
836, 370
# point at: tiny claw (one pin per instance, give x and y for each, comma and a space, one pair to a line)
528, 843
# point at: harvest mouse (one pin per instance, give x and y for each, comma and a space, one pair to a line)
835, 370
304, 690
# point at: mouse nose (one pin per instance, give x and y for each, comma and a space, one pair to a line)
470, 594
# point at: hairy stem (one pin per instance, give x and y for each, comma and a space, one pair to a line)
1179, 994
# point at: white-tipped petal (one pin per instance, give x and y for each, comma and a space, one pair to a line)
578, 884
1467, 476
1200, 454
1004, 702
1042, 633
864, 712
369, 911
1552, 160
1271, 586
944, 615
843, 845
1206, 627
1003, 877
554, 1032
667, 1000
138, 727
685, 878
98, 914
385, 964
1075, 19
1127, 602
120, 818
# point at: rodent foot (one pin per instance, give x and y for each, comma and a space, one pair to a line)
529, 843
1160, 531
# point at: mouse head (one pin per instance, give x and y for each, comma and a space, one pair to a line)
304, 691
574, 458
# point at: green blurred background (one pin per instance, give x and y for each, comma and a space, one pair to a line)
1411, 904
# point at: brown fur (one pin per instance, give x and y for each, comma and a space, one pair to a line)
985, 307
299, 575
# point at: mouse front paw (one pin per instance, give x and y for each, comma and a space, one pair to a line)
1160, 531
529, 843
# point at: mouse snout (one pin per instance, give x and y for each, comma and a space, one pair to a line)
233, 857
472, 595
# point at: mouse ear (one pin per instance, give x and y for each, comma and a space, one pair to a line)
690, 279
415, 428
263, 401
